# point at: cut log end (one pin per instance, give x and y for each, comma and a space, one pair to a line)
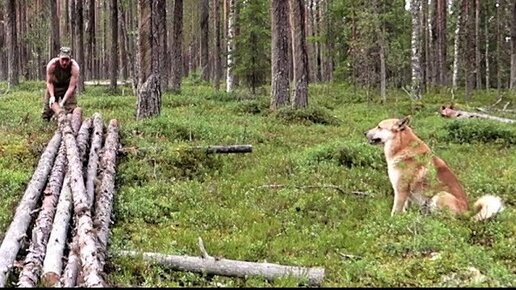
50, 279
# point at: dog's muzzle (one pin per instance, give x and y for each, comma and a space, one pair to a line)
371, 139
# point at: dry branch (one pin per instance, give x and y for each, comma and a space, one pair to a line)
82, 211
231, 268
104, 202
33, 263
22, 218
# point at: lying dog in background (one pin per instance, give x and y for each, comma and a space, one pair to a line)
415, 172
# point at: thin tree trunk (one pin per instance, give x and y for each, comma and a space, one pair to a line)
456, 47
217, 53
477, 46
56, 43
486, 35
177, 48
300, 57
22, 217
415, 9
113, 67
204, 17
12, 44
122, 43
79, 31
90, 42
513, 48
163, 48
230, 77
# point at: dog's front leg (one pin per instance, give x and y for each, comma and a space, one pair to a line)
400, 201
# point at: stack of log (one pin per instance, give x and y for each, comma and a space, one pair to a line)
68, 238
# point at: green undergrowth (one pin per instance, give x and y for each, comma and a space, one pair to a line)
313, 192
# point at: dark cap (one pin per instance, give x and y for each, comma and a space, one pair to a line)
65, 52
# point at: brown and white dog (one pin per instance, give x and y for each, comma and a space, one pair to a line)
418, 175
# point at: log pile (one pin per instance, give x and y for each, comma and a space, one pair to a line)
68, 204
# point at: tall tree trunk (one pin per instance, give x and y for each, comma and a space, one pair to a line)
318, 58
380, 32
299, 54
329, 44
79, 31
90, 42
122, 44
12, 44
177, 46
513, 48
441, 41
204, 7
163, 51
486, 36
149, 83
279, 50
230, 76
3, 53
415, 9
456, 47
478, 71
72, 23
113, 67
498, 43
425, 53
217, 52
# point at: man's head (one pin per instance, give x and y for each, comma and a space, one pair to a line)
64, 56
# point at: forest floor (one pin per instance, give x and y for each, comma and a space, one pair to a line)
169, 192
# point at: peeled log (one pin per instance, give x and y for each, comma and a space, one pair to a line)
22, 218
104, 202
71, 271
90, 264
33, 263
76, 120
232, 268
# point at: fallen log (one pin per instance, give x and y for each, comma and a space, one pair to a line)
73, 265
229, 149
76, 120
231, 268
53, 263
31, 272
87, 244
451, 112
104, 202
96, 144
22, 217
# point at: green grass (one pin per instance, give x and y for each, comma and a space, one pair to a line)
169, 194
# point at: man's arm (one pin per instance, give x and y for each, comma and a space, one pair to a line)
73, 82
50, 85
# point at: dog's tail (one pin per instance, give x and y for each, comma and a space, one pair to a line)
487, 206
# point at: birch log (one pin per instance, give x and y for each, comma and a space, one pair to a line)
96, 144
76, 120
87, 244
22, 217
104, 202
53, 264
31, 272
232, 268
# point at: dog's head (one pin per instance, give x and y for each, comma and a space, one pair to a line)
448, 111
386, 130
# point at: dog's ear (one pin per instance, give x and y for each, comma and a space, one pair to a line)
402, 123
443, 107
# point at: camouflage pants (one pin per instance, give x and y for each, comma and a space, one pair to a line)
69, 106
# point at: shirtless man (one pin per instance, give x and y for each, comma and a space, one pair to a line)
62, 77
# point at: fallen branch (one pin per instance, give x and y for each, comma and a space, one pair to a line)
228, 149
277, 186
22, 217
450, 112
230, 268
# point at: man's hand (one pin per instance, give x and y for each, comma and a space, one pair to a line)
61, 104
51, 101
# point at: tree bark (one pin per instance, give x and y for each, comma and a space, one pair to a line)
22, 218
79, 40
280, 47
216, 54
56, 42
299, 54
477, 46
513, 48
232, 268
33, 263
415, 10
90, 42
456, 46
12, 44
104, 201
149, 86
204, 17
163, 48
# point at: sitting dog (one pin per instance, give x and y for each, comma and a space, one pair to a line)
416, 173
